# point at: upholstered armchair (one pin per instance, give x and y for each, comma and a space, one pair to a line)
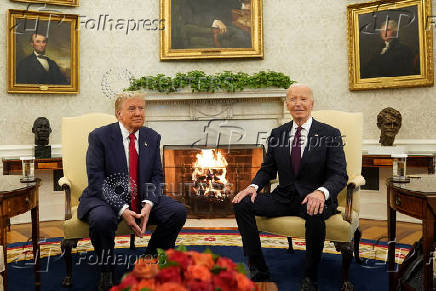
342, 228
75, 132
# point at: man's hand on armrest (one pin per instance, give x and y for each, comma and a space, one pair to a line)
129, 217
250, 190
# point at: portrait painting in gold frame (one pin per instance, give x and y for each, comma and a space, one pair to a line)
42, 52
207, 29
390, 44
54, 2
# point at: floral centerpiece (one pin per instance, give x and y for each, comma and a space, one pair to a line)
182, 270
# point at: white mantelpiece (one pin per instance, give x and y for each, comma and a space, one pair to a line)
246, 105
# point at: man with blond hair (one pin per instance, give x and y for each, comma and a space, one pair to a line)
127, 149
309, 159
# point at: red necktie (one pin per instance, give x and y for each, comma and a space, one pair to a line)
133, 173
296, 151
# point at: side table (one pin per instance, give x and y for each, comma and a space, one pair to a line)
18, 198
416, 199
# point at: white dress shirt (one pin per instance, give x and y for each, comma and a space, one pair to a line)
42, 61
126, 141
305, 127
383, 51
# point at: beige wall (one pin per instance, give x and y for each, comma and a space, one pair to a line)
304, 39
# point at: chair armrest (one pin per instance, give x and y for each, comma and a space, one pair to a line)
66, 186
64, 181
357, 181
352, 186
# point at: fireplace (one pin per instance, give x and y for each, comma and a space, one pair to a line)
206, 179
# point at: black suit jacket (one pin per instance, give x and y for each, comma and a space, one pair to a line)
106, 157
398, 60
30, 71
322, 165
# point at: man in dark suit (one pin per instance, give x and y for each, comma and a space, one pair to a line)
37, 68
310, 161
393, 58
130, 149
215, 16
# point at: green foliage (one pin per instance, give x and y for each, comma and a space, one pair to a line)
162, 257
214, 256
163, 260
217, 269
181, 248
198, 81
241, 269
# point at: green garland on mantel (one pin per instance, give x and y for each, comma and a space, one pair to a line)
201, 82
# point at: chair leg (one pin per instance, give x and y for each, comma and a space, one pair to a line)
66, 246
357, 236
291, 248
346, 249
132, 241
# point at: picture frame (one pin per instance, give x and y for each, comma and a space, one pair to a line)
397, 57
42, 52
211, 29
54, 2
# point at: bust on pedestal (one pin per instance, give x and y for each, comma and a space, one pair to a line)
41, 129
389, 121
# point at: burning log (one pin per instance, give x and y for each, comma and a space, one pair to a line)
209, 175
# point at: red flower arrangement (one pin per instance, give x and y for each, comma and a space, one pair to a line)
182, 270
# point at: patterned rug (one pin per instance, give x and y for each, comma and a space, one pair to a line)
286, 269
369, 250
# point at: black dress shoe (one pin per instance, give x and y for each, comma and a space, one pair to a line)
105, 281
257, 275
309, 285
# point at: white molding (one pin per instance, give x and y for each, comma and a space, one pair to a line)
187, 95
411, 146
253, 104
417, 146
9, 151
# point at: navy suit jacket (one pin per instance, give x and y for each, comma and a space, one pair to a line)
106, 157
322, 165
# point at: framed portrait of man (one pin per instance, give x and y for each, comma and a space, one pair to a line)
206, 29
42, 52
55, 2
390, 44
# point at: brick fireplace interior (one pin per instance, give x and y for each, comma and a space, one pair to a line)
206, 179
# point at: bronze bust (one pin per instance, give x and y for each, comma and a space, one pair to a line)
41, 129
389, 121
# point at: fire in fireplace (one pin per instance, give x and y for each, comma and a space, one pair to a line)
209, 175
206, 179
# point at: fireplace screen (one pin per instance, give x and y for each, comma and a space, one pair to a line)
206, 179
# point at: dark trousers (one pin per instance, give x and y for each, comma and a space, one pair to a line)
169, 216
266, 205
